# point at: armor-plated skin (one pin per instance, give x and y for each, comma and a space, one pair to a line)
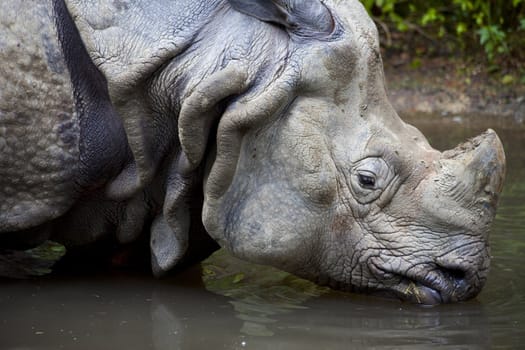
277, 110
38, 128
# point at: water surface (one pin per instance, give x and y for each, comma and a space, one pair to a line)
228, 304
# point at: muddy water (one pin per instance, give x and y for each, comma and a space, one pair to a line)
226, 304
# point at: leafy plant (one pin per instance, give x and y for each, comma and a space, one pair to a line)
492, 38
492, 25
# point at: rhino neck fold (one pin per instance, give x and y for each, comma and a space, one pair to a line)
103, 142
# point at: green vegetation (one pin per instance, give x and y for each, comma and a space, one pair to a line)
37, 261
496, 26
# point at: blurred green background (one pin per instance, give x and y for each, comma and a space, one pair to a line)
495, 28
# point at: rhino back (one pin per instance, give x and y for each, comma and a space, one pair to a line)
38, 126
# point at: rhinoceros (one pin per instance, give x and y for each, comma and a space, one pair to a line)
264, 121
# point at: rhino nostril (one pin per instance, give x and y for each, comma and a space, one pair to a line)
453, 274
456, 284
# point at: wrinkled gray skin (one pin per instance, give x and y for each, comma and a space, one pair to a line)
275, 110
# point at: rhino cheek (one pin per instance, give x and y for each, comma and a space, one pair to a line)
267, 225
275, 208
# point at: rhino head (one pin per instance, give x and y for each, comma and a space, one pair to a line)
281, 106
335, 187
338, 189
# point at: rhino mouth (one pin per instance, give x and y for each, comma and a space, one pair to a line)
420, 293
430, 286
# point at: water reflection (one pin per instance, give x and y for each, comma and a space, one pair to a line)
258, 293
241, 306
138, 312
284, 312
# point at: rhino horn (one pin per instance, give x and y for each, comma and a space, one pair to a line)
480, 166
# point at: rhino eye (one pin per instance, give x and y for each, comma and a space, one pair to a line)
367, 180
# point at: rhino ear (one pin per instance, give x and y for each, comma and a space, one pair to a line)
265, 10
308, 19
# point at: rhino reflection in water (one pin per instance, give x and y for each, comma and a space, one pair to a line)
276, 113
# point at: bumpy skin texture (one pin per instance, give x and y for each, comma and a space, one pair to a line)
38, 127
277, 112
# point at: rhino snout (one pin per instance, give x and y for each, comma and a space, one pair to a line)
463, 203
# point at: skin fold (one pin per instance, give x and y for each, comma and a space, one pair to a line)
263, 125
